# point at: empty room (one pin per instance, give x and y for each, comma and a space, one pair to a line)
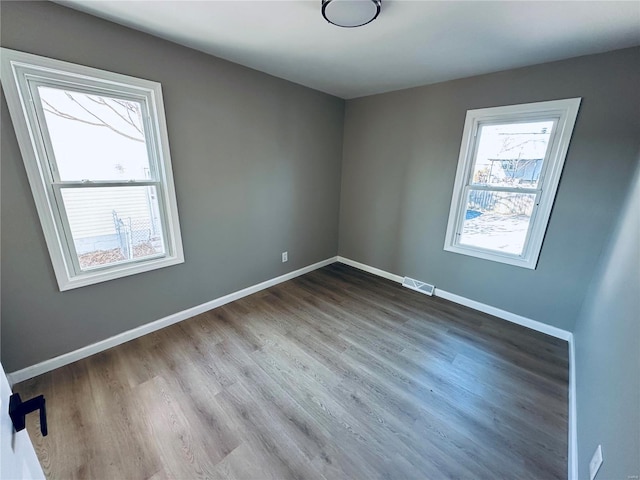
327, 239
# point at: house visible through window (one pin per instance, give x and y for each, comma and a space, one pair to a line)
509, 169
96, 151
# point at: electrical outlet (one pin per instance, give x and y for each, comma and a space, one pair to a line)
596, 461
285, 256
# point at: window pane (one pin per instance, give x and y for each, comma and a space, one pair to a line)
511, 154
497, 221
113, 224
95, 137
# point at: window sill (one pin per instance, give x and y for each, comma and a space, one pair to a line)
493, 256
93, 277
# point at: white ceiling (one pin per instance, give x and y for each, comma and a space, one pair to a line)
411, 43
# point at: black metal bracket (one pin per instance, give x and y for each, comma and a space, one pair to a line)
18, 410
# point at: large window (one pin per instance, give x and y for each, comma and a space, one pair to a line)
96, 152
508, 172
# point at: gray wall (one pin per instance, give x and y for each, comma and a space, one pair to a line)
399, 162
257, 164
607, 342
257, 170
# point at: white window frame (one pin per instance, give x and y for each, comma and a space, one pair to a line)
564, 114
20, 73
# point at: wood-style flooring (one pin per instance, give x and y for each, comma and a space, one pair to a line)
336, 374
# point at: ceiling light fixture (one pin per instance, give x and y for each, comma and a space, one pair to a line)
350, 13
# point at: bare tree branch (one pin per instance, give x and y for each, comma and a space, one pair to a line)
103, 123
100, 122
129, 115
128, 121
128, 108
57, 112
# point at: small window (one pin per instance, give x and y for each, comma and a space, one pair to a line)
508, 172
96, 152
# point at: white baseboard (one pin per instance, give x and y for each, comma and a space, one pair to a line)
573, 413
505, 315
374, 270
84, 352
482, 307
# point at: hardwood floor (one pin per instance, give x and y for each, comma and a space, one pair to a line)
335, 374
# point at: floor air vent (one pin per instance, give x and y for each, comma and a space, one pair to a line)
418, 286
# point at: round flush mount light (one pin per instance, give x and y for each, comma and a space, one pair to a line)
350, 13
